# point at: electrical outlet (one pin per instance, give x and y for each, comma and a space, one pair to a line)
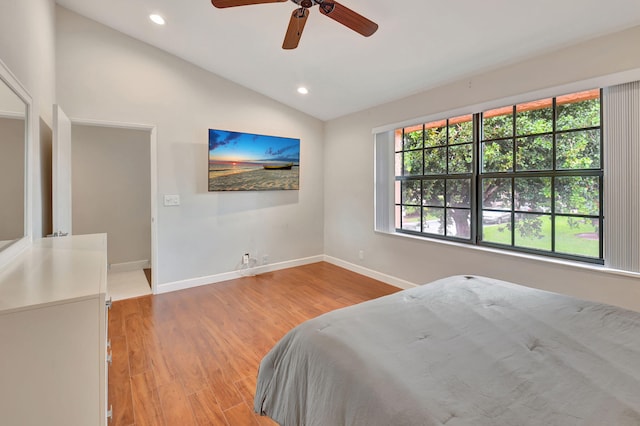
361, 255
245, 259
265, 259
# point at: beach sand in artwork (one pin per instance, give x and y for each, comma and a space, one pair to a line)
255, 180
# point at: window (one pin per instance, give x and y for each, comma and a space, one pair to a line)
524, 177
434, 176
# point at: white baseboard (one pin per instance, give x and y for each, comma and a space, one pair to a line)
129, 266
211, 279
391, 280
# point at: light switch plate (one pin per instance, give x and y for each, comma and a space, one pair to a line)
171, 200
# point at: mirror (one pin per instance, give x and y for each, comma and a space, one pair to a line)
15, 106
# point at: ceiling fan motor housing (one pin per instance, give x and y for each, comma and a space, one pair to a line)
327, 6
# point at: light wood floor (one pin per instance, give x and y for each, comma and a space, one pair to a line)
191, 357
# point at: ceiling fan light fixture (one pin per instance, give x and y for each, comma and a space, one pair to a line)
303, 90
157, 19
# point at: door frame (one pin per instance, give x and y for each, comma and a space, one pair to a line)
153, 151
61, 174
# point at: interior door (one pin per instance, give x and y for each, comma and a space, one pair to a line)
61, 173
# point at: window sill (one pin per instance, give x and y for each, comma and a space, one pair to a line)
507, 253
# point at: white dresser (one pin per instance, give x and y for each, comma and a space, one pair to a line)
53, 334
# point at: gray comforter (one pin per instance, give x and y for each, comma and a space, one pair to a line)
459, 351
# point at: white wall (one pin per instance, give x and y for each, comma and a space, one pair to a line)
349, 178
111, 186
27, 34
105, 75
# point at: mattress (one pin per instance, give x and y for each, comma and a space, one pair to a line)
463, 350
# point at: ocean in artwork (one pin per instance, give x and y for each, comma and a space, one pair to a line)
251, 162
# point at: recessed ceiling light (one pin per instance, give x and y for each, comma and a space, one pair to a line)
303, 90
157, 19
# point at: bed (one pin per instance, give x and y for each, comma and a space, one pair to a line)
463, 350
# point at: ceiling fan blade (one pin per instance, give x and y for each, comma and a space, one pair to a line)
232, 3
348, 18
296, 25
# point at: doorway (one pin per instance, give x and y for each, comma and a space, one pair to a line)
114, 191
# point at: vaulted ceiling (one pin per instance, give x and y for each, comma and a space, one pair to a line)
419, 44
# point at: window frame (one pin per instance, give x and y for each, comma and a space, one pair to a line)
477, 176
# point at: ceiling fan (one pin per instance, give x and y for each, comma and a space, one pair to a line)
330, 8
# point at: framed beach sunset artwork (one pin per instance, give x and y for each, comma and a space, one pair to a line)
249, 162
